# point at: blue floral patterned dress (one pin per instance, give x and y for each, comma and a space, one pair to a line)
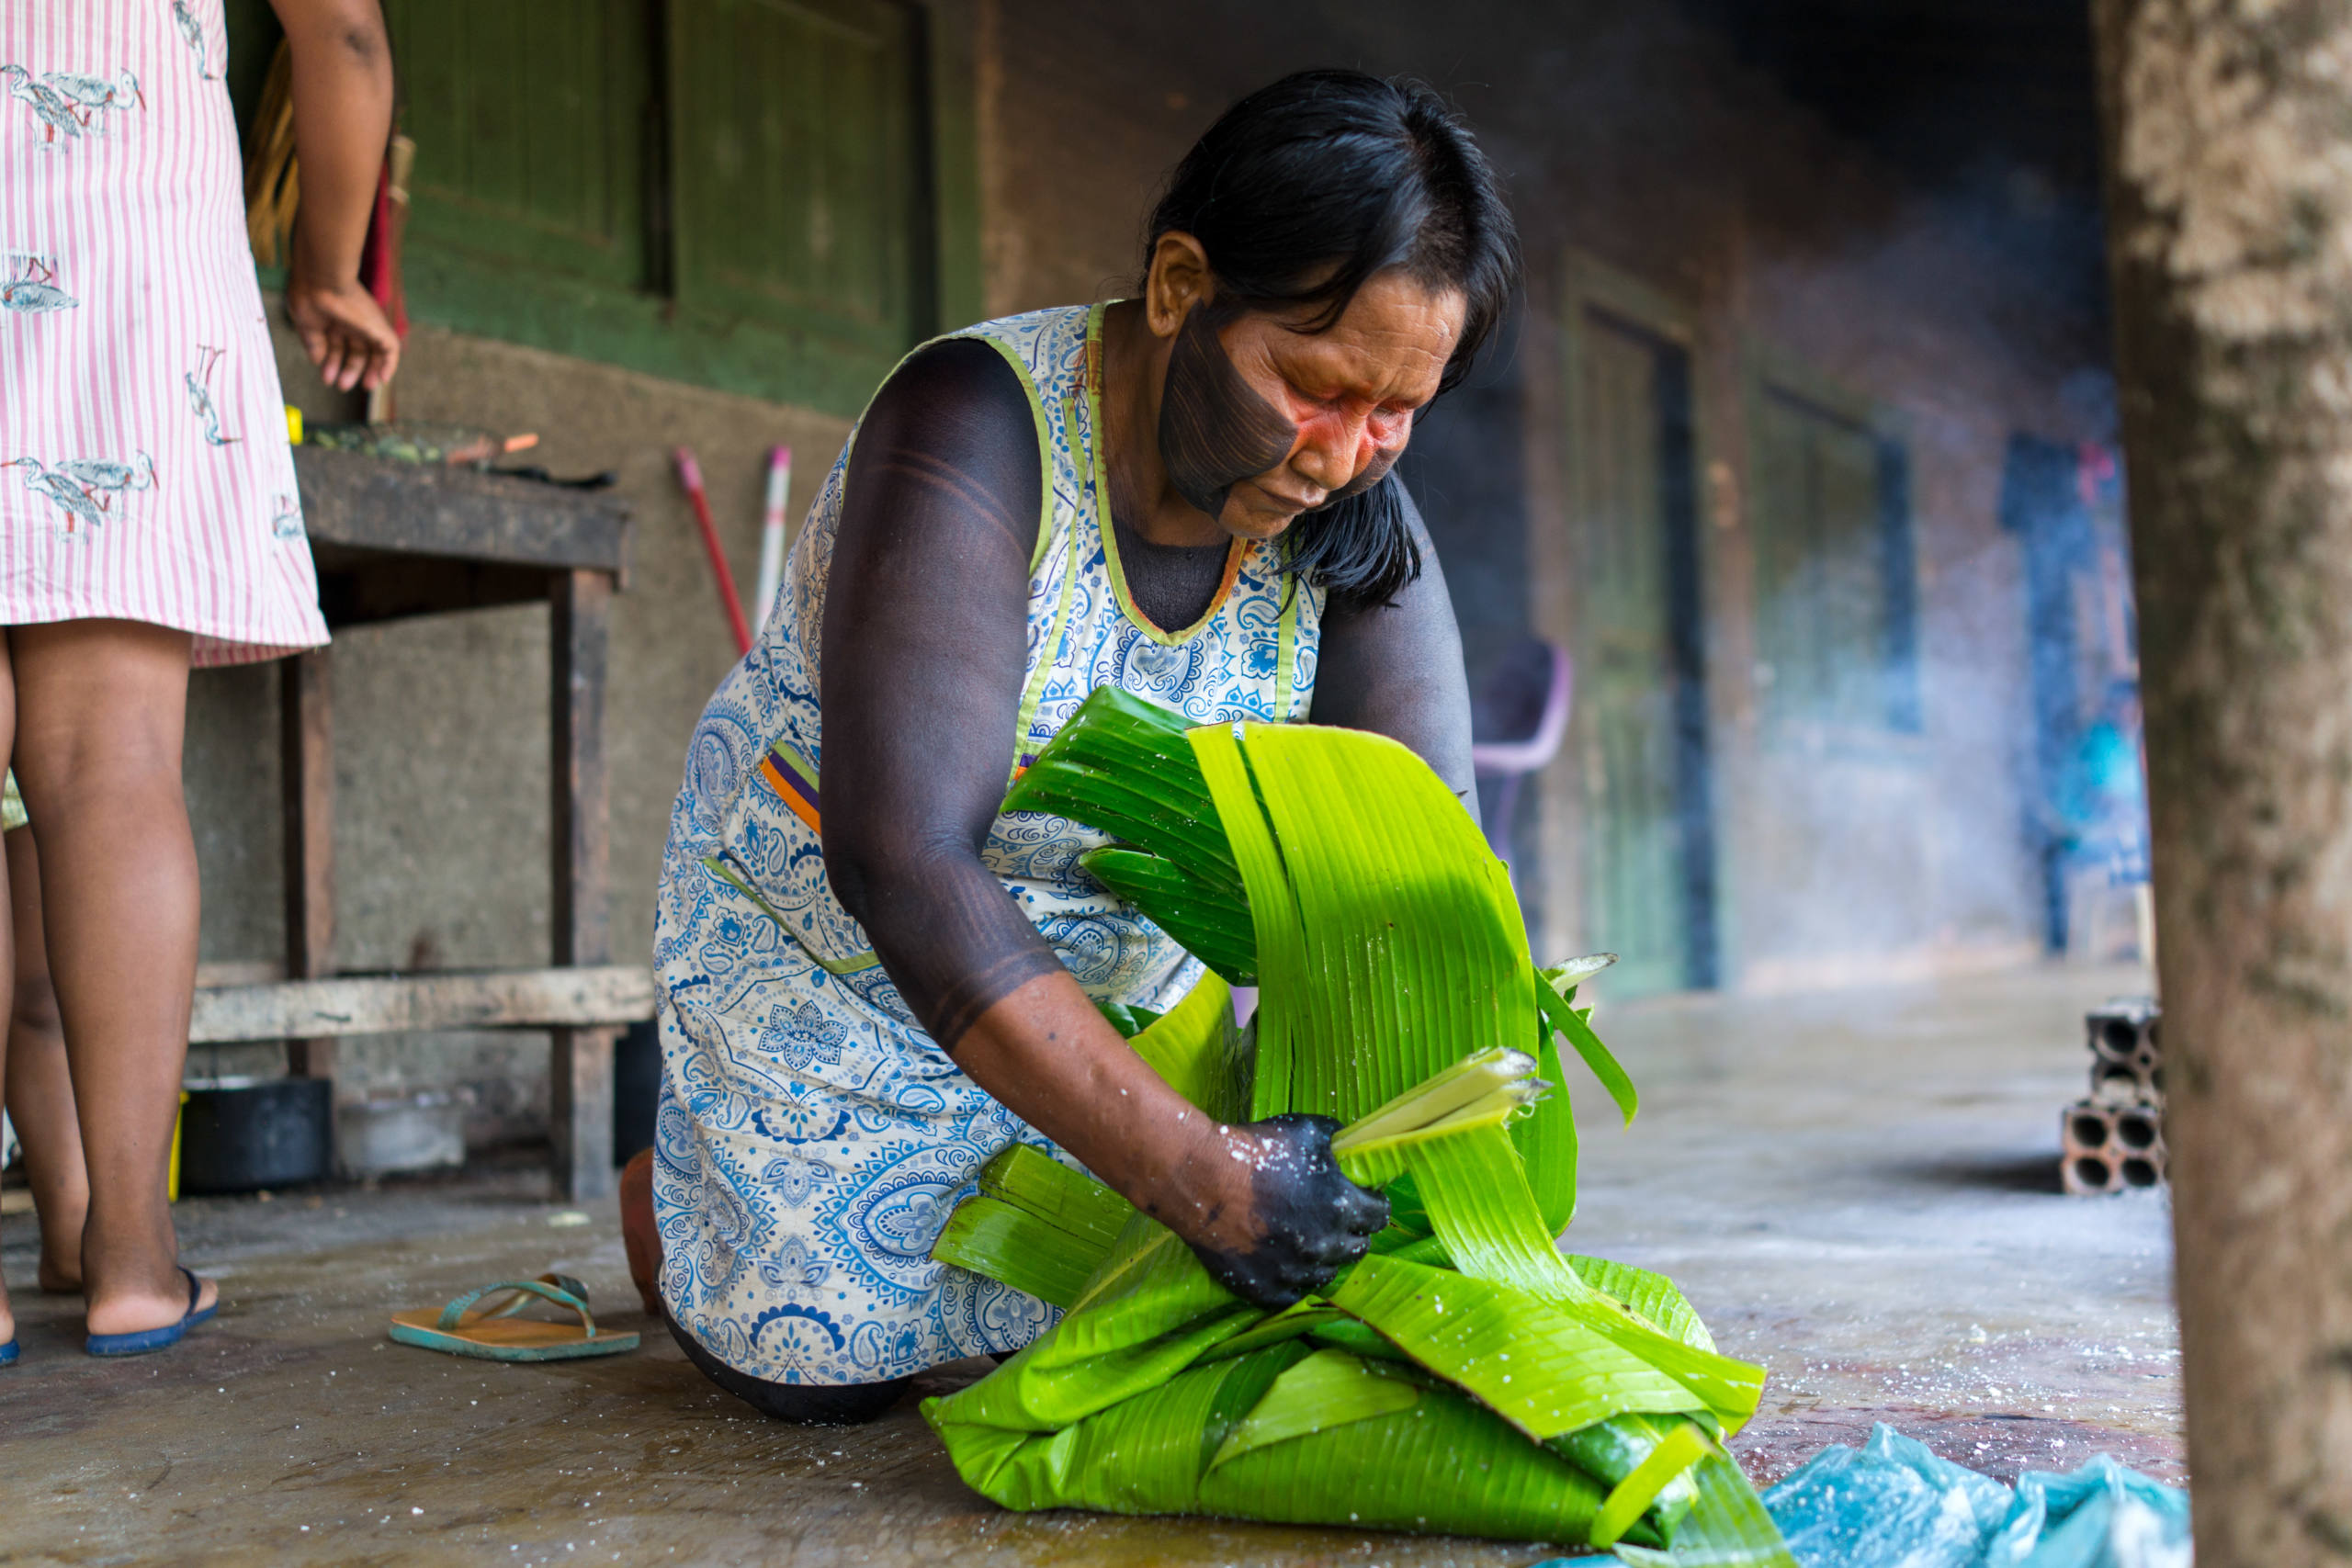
812, 1138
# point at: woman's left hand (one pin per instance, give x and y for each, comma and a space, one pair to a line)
344, 332
1288, 1220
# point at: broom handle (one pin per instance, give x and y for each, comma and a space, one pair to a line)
690, 475
772, 535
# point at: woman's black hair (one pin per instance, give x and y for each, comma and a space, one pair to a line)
1300, 194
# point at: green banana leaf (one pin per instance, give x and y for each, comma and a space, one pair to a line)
1464, 1376
1124, 767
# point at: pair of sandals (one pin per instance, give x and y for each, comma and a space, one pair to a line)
143, 1341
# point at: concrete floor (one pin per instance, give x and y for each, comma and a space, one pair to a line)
1860, 1191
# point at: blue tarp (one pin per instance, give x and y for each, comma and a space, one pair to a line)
1891, 1504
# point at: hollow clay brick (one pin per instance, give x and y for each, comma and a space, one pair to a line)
2109, 1147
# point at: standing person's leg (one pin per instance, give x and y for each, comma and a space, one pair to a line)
7, 735
101, 708
41, 1087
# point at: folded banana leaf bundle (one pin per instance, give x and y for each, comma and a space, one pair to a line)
1464, 1376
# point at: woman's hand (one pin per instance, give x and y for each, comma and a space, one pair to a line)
342, 119
1263, 1204
1279, 1219
344, 330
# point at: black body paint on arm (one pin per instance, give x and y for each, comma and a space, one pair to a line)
1396, 668
1214, 431
923, 657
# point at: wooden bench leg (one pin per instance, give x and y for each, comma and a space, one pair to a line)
306, 752
580, 1067
580, 1083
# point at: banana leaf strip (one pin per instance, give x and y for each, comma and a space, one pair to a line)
1016, 1247
1575, 1023
1206, 920
1326, 1390
1200, 1052
1651, 1296
1666, 1465
1121, 766
1728, 1526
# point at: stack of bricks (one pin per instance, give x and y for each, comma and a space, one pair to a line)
2115, 1139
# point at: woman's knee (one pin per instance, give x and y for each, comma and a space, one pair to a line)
96, 701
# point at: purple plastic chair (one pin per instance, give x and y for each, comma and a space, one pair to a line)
1525, 702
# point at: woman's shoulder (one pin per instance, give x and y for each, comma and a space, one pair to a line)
1047, 346
955, 390
990, 379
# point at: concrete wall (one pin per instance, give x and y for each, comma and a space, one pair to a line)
1626, 139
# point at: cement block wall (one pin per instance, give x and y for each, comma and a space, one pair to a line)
1627, 138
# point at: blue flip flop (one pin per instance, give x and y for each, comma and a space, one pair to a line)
9, 1354
148, 1339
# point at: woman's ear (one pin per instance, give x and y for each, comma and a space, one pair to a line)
1179, 280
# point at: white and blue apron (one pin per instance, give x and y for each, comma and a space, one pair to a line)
812, 1138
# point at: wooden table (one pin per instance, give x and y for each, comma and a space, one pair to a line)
394, 540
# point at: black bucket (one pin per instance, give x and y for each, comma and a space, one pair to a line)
637, 1083
237, 1135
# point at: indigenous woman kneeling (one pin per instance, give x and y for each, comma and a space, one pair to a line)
871, 980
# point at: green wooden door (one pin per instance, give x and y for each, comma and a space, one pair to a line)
795, 159
529, 118
1649, 880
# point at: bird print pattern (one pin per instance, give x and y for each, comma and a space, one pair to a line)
141, 477
59, 118
199, 399
33, 289
192, 31
75, 483
94, 94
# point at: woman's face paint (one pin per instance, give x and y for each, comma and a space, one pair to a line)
1289, 422
1215, 430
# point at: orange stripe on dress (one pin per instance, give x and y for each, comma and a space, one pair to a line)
795, 791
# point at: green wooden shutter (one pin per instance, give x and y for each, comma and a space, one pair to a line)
529, 118
796, 167
1834, 570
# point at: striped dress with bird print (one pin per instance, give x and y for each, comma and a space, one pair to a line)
145, 472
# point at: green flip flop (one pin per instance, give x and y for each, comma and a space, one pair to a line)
494, 1333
